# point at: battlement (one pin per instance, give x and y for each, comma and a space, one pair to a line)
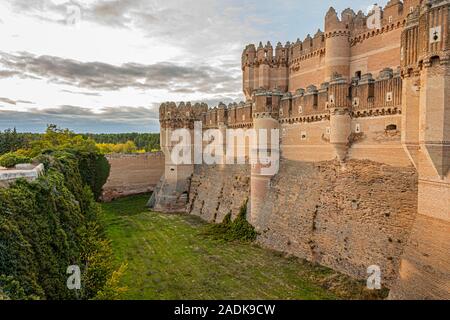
367, 95
393, 14
352, 44
266, 54
184, 110
182, 115
185, 114
352, 24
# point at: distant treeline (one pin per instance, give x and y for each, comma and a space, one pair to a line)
11, 140
144, 141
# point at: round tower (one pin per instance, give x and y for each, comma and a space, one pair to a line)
264, 153
248, 70
337, 44
340, 119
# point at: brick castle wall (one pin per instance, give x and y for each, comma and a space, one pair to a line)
133, 174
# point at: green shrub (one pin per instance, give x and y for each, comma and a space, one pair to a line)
47, 225
238, 229
95, 170
54, 222
10, 159
10, 289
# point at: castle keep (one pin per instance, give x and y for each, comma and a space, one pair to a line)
363, 109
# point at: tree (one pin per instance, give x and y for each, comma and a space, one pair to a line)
11, 141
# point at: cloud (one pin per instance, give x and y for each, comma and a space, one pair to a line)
201, 27
14, 102
80, 119
8, 73
207, 37
101, 76
121, 113
92, 94
8, 101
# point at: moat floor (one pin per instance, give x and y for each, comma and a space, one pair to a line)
169, 258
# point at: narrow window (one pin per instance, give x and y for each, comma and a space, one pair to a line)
435, 34
303, 135
331, 99
391, 127
389, 97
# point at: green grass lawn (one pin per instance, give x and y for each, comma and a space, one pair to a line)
169, 257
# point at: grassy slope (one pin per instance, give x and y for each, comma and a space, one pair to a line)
168, 258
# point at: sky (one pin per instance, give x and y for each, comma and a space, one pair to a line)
105, 66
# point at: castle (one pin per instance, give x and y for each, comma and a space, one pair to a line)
363, 110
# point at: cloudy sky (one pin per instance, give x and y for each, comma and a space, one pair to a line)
106, 65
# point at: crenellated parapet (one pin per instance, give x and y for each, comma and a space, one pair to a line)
183, 115
381, 95
265, 67
335, 25
309, 47
266, 55
233, 115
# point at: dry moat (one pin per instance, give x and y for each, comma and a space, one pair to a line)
170, 257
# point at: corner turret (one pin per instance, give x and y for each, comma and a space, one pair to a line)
337, 44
